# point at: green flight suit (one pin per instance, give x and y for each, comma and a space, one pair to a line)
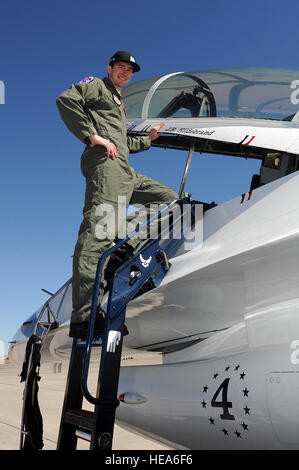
95, 107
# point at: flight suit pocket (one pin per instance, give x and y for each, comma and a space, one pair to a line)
91, 158
96, 181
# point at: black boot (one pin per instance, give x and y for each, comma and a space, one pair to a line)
80, 329
122, 254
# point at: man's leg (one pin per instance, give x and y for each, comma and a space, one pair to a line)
148, 191
87, 253
150, 194
98, 229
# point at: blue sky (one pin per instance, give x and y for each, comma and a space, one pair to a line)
44, 47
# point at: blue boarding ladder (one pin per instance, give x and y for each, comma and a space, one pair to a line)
97, 426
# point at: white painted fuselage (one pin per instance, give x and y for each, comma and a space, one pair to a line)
220, 331
211, 360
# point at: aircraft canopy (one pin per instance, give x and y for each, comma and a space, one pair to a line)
237, 92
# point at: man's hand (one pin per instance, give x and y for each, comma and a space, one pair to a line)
110, 147
154, 132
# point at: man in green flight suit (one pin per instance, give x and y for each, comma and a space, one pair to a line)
92, 110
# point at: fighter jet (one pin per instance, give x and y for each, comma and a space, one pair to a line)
211, 357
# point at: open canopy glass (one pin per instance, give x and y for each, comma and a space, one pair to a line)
240, 93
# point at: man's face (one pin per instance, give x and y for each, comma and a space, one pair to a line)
120, 74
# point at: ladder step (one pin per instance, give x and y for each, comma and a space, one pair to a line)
85, 436
82, 418
97, 427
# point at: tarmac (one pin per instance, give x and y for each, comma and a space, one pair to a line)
51, 395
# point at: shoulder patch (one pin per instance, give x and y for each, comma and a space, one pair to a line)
87, 80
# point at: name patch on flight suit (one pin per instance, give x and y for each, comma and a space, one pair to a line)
117, 101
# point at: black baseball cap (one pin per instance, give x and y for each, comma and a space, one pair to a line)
124, 56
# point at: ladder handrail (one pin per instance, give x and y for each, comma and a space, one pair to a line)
92, 317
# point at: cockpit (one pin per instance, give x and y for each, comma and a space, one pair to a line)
236, 93
235, 97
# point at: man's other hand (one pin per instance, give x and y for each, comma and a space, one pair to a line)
154, 132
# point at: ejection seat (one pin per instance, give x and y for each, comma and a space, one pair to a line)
273, 167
